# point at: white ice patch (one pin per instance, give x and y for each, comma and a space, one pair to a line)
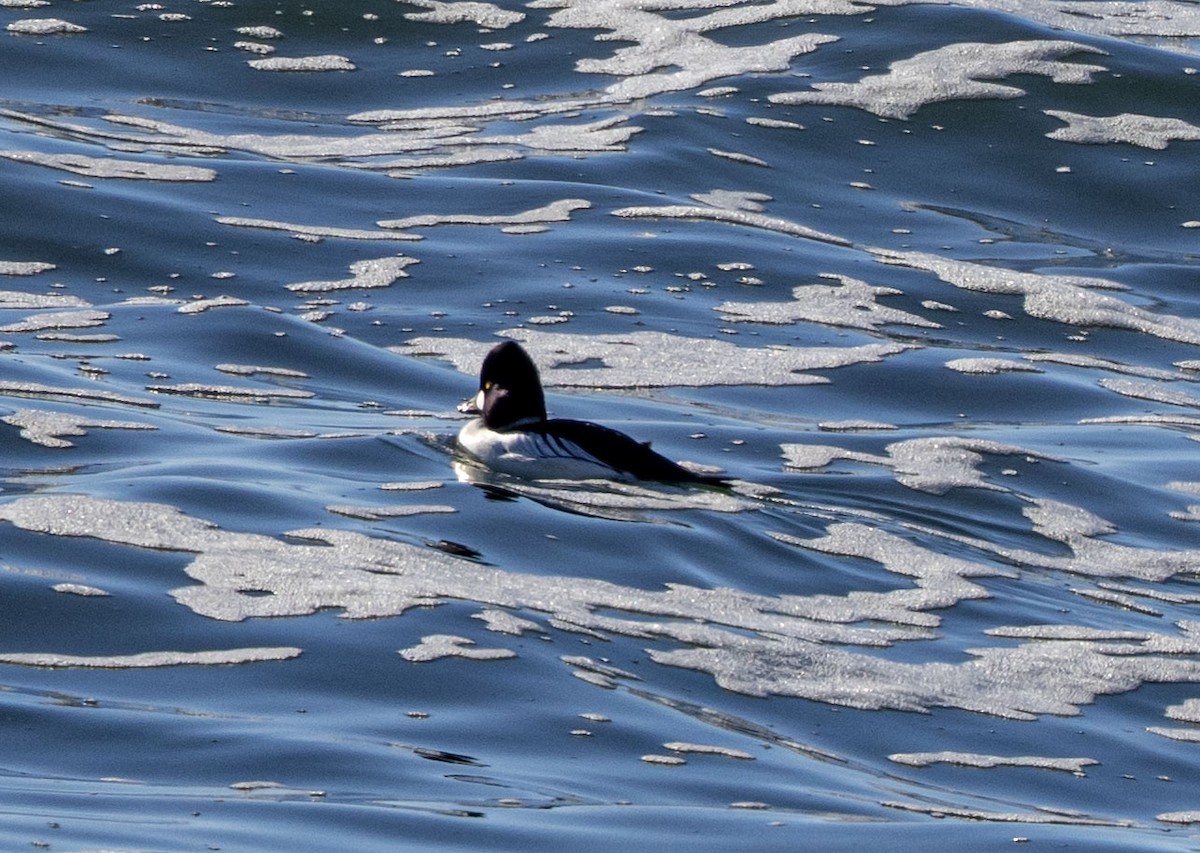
555, 211
756, 644
324, 62
655, 359
746, 218
1068, 299
1129, 128
364, 275
48, 428
260, 370
935, 465
39, 391
107, 167
1098, 363
59, 320
199, 306
487, 15
662, 53
313, 232
81, 590
230, 393
380, 512
18, 299
955, 72
144, 660
986, 365
44, 27
24, 267
851, 303
971, 759
437, 646
1155, 392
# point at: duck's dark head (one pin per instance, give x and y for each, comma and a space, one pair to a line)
510, 391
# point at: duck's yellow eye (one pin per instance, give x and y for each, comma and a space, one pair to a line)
487, 386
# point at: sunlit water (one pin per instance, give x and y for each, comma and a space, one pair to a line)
920, 279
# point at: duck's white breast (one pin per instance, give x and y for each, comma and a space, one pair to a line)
531, 455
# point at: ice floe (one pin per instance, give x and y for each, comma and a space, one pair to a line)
655, 359
851, 303
789, 645
44, 27
324, 62
1141, 130
144, 660
971, 759
932, 464
964, 71
364, 275
437, 646
1069, 299
48, 428
107, 167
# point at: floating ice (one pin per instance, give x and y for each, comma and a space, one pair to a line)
437, 646
199, 306
971, 759
738, 157
260, 32
20, 299
503, 622
789, 645
230, 393
1098, 363
48, 428
953, 72
380, 512
662, 53
324, 62
81, 589
59, 320
665, 760
935, 465
555, 211
44, 27
655, 359
94, 395
144, 660
24, 267
107, 167
748, 219
1154, 391
1034, 817
706, 749
851, 303
1145, 131
486, 15
364, 275
258, 370
313, 231
854, 425
267, 432
255, 47
990, 365
1066, 299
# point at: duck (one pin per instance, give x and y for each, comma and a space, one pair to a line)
513, 435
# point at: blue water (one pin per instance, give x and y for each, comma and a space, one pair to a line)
920, 279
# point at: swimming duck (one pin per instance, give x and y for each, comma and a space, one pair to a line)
513, 435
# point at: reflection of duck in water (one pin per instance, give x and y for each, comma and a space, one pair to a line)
514, 436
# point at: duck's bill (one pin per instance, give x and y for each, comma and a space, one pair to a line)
470, 406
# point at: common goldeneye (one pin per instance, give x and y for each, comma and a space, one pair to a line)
514, 436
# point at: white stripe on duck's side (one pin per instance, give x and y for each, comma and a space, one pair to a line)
532, 455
